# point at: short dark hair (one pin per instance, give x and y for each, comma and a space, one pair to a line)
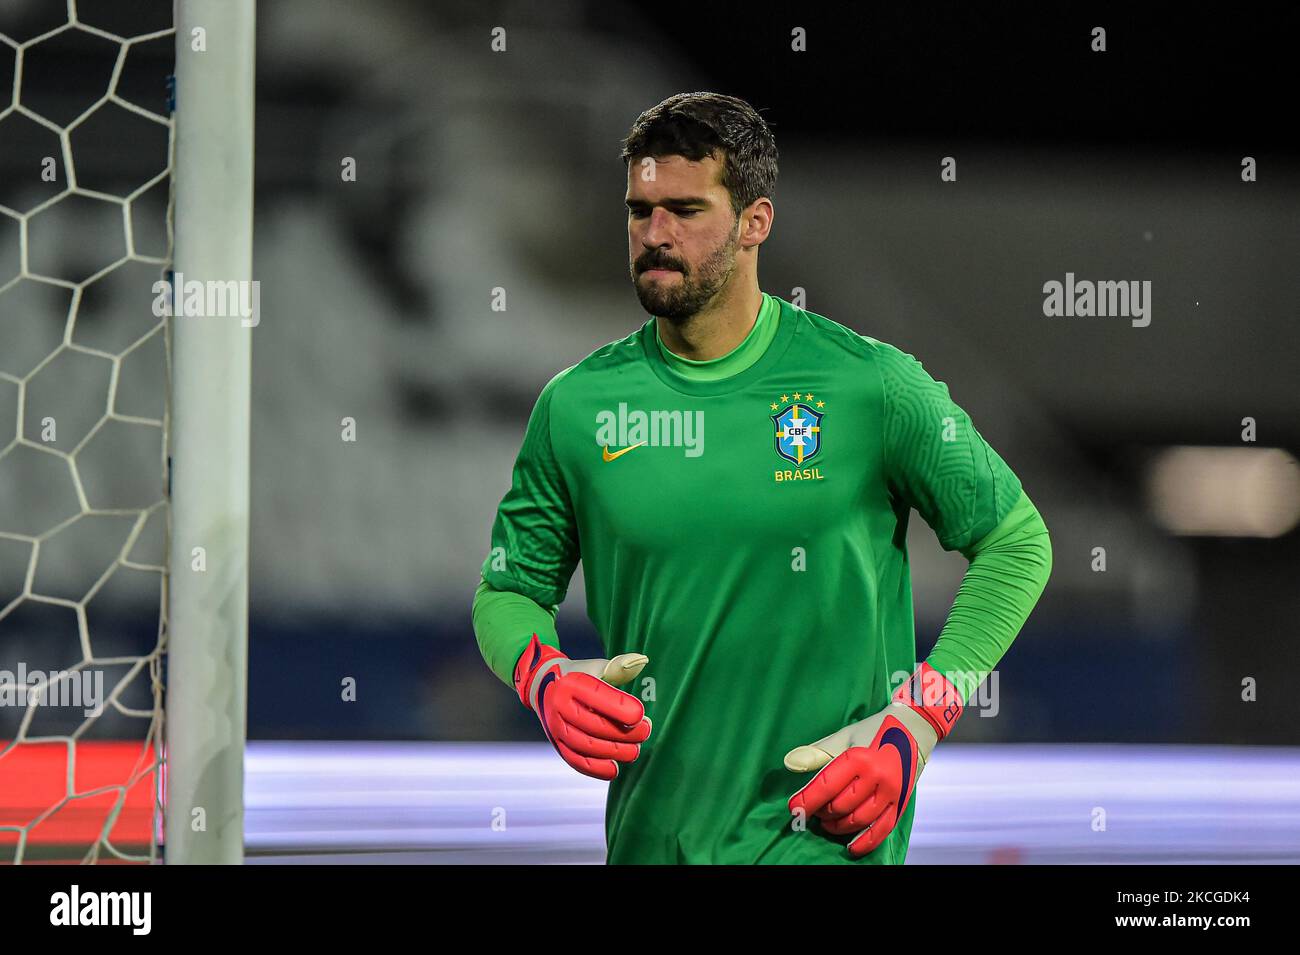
696, 125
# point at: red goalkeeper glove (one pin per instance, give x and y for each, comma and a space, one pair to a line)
869, 769
592, 725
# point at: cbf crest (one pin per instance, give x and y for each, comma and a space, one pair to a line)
798, 428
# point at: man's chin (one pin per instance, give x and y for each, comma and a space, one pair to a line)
663, 302
667, 313
657, 305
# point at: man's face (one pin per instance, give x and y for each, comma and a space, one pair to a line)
682, 235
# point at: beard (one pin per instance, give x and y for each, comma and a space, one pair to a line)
681, 299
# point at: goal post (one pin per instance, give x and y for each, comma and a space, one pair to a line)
207, 601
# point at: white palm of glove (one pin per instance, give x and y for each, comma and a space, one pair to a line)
803, 759
620, 671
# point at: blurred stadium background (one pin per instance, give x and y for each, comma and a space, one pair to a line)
479, 170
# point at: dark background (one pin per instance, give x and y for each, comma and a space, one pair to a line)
480, 170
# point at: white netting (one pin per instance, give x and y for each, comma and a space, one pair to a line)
85, 176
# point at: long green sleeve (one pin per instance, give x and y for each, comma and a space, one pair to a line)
504, 622
1008, 570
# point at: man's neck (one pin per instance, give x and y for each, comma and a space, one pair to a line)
715, 332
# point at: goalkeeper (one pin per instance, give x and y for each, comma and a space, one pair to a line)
736, 477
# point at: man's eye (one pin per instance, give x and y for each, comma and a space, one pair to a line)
642, 213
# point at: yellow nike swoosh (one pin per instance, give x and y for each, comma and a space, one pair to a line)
604, 452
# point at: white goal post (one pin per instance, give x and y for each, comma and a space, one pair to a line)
207, 613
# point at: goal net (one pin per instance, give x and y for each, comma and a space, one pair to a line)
91, 484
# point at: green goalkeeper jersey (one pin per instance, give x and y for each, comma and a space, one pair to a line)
748, 534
